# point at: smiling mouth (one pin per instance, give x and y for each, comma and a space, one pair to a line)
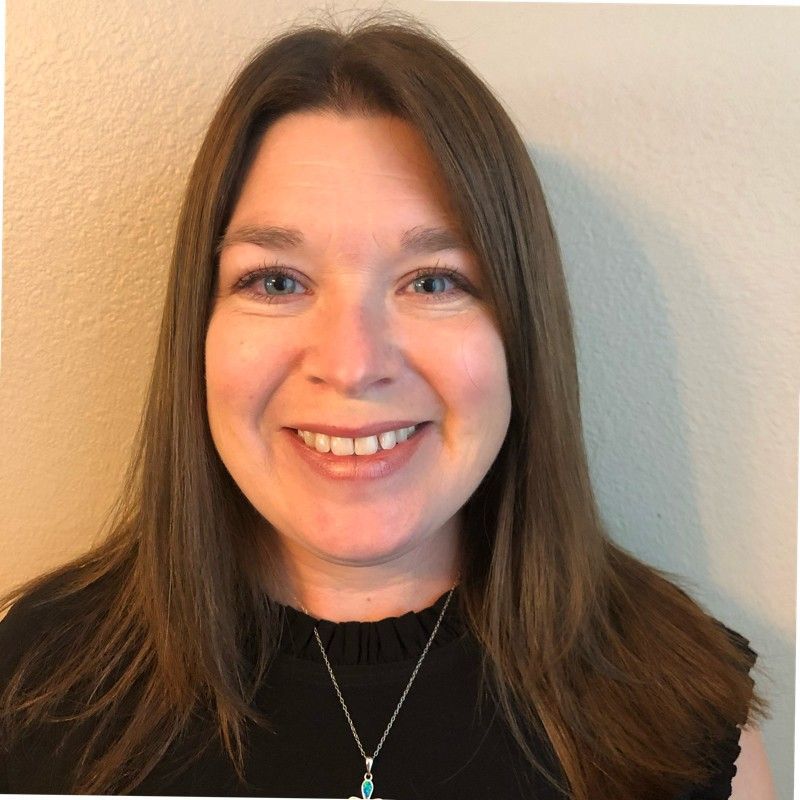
360, 446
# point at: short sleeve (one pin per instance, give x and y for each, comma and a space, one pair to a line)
719, 785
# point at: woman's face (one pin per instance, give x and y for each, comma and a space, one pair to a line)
351, 338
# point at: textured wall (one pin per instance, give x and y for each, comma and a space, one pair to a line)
666, 138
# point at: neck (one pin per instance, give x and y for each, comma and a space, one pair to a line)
342, 592
370, 603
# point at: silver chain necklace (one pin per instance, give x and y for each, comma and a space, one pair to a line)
368, 784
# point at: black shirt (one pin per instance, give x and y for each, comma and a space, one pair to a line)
445, 743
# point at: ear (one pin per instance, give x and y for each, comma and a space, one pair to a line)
753, 779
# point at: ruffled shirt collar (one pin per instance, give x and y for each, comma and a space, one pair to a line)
389, 640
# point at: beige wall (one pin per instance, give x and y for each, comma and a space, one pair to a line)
666, 138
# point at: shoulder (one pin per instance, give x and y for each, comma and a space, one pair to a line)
753, 778
20, 628
740, 751
35, 615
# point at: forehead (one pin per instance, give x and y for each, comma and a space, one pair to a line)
322, 139
323, 170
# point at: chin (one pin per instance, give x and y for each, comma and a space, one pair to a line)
362, 552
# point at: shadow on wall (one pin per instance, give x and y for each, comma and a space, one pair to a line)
662, 381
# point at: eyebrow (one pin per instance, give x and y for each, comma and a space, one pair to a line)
415, 241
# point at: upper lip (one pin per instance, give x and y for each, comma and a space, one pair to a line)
355, 433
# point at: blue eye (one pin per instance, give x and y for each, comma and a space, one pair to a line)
270, 282
279, 279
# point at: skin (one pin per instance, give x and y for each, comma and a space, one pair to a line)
353, 340
753, 779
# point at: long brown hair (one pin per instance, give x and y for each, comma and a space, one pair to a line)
627, 677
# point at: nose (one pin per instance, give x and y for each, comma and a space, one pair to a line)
352, 344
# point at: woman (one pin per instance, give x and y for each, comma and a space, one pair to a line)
357, 550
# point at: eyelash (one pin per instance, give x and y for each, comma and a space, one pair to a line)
278, 270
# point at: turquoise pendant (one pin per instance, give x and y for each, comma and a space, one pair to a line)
367, 786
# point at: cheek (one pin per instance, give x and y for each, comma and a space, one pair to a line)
474, 374
241, 367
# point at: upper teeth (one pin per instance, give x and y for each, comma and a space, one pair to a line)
361, 446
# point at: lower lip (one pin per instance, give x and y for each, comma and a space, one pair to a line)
381, 464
